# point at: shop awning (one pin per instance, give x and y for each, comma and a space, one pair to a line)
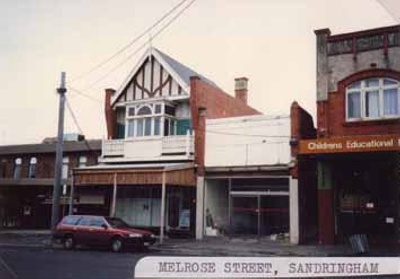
148, 174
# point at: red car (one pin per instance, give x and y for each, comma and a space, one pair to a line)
101, 231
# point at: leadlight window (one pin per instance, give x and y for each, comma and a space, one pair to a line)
150, 120
372, 99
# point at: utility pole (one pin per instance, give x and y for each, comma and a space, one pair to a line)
55, 211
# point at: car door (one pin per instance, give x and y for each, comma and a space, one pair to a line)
82, 230
98, 231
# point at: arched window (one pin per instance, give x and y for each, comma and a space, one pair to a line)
145, 110
372, 98
32, 167
17, 168
65, 169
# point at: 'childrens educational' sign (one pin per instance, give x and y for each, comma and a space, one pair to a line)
350, 144
268, 267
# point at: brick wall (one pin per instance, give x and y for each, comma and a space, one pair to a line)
302, 127
45, 163
332, 113
214, 103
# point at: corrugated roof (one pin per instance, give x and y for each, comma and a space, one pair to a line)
183, 71
69, 146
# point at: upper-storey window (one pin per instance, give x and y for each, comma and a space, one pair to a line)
17, 168
82, 161
371, 99
32, 167
65, 170
150, 120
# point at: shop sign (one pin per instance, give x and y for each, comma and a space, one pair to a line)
350, 144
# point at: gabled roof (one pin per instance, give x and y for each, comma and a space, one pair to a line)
179, 72
183, 71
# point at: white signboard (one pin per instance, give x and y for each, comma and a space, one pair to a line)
264, 267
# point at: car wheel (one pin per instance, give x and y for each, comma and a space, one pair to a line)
69, 242
117, 244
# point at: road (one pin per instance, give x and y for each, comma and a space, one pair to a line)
40, 263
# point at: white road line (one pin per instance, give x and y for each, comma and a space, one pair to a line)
13, 274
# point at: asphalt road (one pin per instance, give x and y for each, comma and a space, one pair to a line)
39, 263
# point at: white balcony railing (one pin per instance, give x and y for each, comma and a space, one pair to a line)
113, 148
177, 144
149, 148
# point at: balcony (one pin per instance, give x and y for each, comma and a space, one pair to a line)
148, 149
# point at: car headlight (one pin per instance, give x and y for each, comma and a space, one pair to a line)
135, 235
152, 235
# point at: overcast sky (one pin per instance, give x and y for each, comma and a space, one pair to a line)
271, 42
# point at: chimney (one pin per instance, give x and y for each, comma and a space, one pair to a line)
241, 89
110, 114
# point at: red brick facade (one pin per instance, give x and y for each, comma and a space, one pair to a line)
209, 102
45, 163
342, 60
331, 113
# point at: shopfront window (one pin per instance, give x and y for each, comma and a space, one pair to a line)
372, 99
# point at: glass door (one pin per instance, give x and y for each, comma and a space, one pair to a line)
244, 215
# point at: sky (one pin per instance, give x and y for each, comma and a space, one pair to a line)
272, 42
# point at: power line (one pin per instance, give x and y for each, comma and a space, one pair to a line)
84, 94
77, 125
143, 45
246, 135
116, 67
236, 134
74, 117
391, 13
130, 43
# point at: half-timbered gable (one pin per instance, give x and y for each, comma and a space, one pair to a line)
156, 76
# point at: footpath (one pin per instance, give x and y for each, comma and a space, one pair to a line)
210, 246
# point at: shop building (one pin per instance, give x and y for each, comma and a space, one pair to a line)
153, 158
355, 150
27, 179
246, 184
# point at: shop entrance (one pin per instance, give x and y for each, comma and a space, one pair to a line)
366, 197
259, 213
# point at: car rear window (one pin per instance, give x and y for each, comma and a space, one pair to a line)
71, 220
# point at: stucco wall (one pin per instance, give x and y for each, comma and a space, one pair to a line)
246, 141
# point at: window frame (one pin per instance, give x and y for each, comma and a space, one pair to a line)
158, 116
17, 168
82, 161
65, 172
32, 170
363, 89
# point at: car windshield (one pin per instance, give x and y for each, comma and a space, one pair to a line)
117, 223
